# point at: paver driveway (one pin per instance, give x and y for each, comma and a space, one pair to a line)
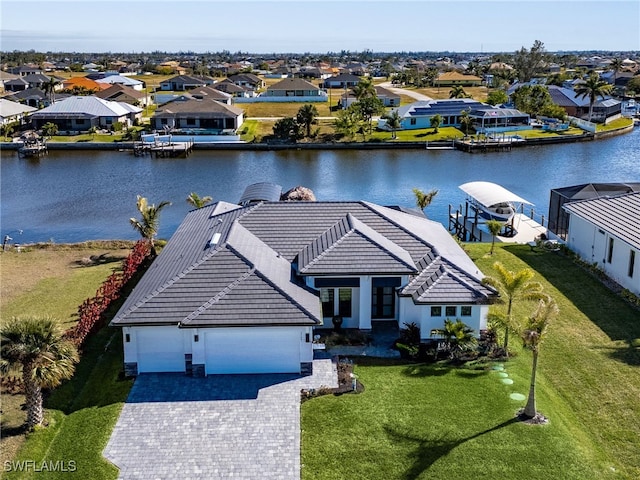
223, 426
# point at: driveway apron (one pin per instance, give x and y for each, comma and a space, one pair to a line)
222, 426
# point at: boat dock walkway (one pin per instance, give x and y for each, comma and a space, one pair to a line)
163, 149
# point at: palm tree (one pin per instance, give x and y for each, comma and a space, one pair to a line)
513, 286
36, 347
394, 122
457, 335
494, 227
364, 88
307, 115
457, 91
616, 65
423, 200
465, 121
593, 88
532, 335
435, 121
49, 129
147, 226
49, 88
197, 201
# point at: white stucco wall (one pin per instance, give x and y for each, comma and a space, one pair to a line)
592, 245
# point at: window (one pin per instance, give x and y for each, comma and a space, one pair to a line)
632, 261
413, 121
191, 122
450, 311
163, 121
436, 311
336, 301
465, 311
610, 252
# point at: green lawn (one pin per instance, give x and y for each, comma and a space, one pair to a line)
428, 422
421, 135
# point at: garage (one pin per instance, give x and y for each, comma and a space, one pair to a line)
160, 349
253, 350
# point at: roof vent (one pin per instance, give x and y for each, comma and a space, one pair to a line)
215, 239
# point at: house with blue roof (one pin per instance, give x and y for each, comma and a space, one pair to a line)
242, 289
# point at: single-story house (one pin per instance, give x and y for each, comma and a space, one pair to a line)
121, 80
181, 83
212, 93
343, 80
6, 77
83, 83
605, 232
449, 79
32, 80
190, 112
295, 89
34, 97
247, 80
418, 114
13, 112
241, 289
387, 97
121, 93
236, 91
575, 106
80, 113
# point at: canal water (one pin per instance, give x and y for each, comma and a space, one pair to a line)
87, 195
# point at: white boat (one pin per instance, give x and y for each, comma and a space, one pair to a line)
492, 201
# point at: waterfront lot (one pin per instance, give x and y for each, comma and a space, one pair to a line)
412, 421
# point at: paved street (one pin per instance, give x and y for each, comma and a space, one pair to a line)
222, 426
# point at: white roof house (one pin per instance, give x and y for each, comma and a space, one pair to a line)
605, 231
83, 112
13, 111
121, 80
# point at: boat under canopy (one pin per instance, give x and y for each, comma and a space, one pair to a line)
489, 194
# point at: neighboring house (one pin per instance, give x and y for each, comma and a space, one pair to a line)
188, 112
449, 79
295, 89
343, 80
120, 93
80, 113
25, 70
35, 97
387, 97
13, 112
212, 93
32, 80
227, 86
605, 232
120, 80
181, 83
247, 80
83, 83
418, 114
6, 77
241, 289
575, 106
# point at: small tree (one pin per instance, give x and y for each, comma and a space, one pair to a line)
286, 128
49, 129
533, 333
393, 122
197, 201
435, 122
458, 337
496, 97
423, 200
306, 117
148, 224
466, 121
513, 286
35, 347
457, 91
494, 227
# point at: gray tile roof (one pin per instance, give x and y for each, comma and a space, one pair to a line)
231, 265
618, 215
201, 107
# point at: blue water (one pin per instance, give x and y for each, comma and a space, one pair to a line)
76, 196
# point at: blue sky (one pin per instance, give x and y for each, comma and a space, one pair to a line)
266, 26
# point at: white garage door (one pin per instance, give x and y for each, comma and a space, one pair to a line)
160, 349
253, 350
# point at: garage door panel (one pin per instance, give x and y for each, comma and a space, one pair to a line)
253, 351
160, 350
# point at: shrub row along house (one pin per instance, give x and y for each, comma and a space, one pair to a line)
240, 289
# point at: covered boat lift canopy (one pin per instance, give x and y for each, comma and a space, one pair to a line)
488, 194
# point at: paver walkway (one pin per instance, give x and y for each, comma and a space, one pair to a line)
223, 426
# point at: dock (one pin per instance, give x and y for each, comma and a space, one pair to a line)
35, 147
163, 149
488, 145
